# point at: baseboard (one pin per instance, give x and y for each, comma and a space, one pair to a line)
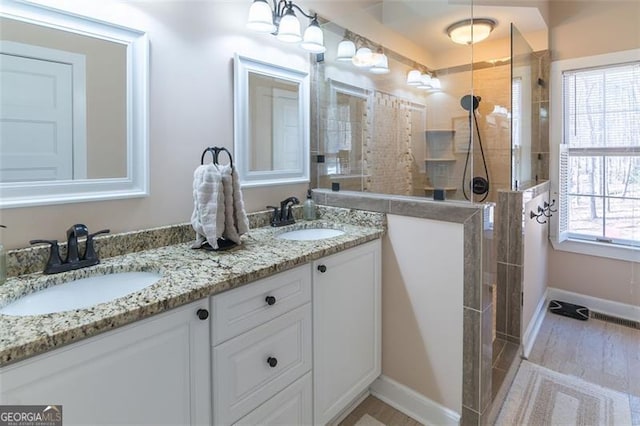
533, 328
609, 307
413, 404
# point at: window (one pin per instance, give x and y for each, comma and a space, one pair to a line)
600, 155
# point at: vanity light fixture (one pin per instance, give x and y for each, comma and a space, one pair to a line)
282, 22
469, 31
423, 80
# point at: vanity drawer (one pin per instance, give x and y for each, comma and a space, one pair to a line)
244, 378
292, 406
246, 307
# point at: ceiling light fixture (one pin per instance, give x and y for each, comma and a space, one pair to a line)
471, 31
282, 22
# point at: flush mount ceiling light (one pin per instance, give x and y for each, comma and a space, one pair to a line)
282, 22
470, 31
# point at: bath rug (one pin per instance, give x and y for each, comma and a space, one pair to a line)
539, 396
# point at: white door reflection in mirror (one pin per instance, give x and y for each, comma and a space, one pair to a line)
39, 140
271, 123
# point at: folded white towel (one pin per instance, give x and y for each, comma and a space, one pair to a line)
242, 222
230, 228
208, 209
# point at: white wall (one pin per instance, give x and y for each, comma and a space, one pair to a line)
422, 284
191, 107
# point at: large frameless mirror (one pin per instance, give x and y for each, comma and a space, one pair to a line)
73, 116
271, 123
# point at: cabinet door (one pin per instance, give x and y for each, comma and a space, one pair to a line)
346, 328
155, 371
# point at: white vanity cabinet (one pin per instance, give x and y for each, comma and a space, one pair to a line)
267, 351
155, 371
346, 328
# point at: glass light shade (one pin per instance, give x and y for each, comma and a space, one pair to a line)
313, 40
346, 51
470, 31
363, 58
435, 83
425, 82
260, 17
289, 29
414, 78
380, 64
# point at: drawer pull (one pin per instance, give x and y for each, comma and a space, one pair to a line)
203, 314
322, 268
272, 361
271, 300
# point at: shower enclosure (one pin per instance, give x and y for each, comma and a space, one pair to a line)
376, 133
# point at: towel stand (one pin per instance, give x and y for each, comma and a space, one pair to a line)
215, 152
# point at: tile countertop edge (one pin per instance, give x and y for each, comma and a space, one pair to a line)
51, 331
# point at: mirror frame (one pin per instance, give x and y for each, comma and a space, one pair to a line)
242, 130
136, 182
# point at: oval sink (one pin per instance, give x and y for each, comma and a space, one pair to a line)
81, 293
310, 234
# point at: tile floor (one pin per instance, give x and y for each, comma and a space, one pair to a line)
599, 352
380, 411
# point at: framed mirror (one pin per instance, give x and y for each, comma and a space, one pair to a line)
74, 116
271, 123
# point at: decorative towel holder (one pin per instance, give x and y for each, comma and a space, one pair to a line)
215, 152
223, 244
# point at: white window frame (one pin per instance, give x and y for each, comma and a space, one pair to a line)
556, 120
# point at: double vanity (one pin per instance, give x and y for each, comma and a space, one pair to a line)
268, 333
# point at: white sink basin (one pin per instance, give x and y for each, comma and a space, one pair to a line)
81, 293
310, 234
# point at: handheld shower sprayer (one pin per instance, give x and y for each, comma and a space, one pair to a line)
479, 185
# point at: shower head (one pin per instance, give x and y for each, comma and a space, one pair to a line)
467, 101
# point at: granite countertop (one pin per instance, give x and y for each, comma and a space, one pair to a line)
188, 275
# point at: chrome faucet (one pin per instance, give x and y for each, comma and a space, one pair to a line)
283, 215
55, 264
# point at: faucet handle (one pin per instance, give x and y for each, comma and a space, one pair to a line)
54, 260
89, 250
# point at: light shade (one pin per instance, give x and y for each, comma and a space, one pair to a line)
435, 83
289, 29
363, 58
380, 64
313, 40
425, 82
261, 17
471, 31
414, 78
346, 51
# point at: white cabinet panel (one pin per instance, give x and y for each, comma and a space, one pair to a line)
244, 308
346, 328
292, 406
243, 377
155, 371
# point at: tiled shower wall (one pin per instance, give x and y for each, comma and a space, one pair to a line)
541, 66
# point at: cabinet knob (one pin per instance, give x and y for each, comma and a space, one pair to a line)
322, 268
271, 300
272, 361
203, 314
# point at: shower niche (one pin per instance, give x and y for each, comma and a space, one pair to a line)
440, 161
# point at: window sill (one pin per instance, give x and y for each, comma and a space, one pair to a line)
593, 248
